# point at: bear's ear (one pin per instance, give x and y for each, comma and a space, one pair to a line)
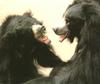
28, 13
89, 9
91, 12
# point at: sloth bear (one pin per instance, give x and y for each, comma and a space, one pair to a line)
20, 46
82, 21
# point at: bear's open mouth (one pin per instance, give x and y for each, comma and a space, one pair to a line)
62, 37
62, 33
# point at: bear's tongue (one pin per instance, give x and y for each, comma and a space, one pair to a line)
62, 38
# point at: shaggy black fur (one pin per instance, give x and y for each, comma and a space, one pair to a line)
18, 48
82, 21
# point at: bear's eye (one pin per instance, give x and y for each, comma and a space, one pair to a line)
67, 20
40, 32
43, 29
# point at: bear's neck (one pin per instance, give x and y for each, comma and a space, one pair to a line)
87, 59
